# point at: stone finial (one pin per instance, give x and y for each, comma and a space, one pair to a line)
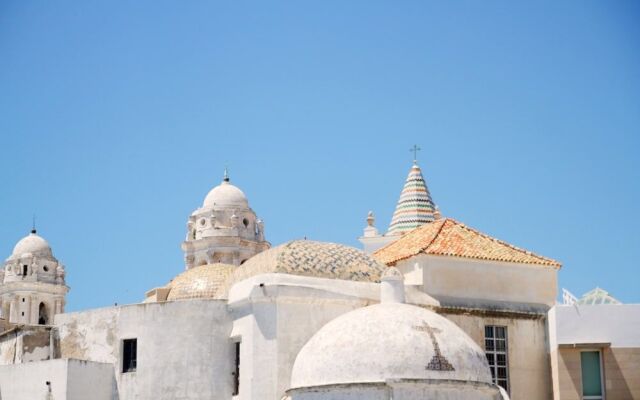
370, 230
392, 286
436, 213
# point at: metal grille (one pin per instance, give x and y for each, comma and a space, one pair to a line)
495, 345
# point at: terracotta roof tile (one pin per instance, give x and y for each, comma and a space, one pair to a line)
448, 237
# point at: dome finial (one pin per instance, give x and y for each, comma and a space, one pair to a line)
226, 174
33, 225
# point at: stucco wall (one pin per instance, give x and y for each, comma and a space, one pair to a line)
611, 329
529, 370
275, 320
183, 347
69, 380
617, 324
462, 278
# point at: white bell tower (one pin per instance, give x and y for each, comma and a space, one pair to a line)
224, 230
32, 288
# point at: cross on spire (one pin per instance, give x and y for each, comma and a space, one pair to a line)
415, 149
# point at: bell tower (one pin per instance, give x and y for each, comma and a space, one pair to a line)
32, 288
224, 230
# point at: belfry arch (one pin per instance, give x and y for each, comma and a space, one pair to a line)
43, 317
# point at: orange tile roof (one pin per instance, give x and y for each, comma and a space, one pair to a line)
448, 237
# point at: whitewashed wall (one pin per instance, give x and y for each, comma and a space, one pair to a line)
618, 324
462, 278
70, 380
184, 351
275, 320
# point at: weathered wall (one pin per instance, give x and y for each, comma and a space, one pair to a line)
462, 278
183, 347
529, 370
24, 344
69, 380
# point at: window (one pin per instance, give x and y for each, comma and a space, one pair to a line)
129, 355
24, 270
236, 371
495, 345
591, 375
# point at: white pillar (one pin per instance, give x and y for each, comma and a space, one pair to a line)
392, 286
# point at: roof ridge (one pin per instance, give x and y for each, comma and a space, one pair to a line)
502, 242
433, 239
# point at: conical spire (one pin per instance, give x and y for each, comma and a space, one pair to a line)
415, 206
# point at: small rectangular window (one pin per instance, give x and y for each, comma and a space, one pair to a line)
591, 375
496, 349
236, 371
129, 355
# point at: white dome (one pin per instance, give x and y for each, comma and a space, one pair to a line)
33, 244
226, 195
389, 341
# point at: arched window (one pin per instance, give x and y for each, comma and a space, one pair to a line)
24, 270
42, 314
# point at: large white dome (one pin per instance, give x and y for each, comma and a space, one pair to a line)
33, 244
226, 195
389, 341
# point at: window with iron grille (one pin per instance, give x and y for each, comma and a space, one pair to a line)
129, 355
496, 349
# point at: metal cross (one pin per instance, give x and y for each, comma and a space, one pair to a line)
415, 150
438, 361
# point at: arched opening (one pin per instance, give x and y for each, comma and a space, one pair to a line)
42, 314
24, 270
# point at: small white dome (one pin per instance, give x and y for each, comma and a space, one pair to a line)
226, 195
389, 341
33, 244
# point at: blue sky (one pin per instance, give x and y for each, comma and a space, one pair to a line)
117, 118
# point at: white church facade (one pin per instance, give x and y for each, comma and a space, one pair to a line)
432, 309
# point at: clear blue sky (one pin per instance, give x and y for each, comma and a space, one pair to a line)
117, 118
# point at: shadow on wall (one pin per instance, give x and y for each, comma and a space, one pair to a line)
572, 358
615, 382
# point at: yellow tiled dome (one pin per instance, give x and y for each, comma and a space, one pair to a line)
205, 281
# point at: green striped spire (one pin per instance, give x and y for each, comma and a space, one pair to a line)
415, 206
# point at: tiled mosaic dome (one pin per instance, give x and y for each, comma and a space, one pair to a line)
205, 281
315, 259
